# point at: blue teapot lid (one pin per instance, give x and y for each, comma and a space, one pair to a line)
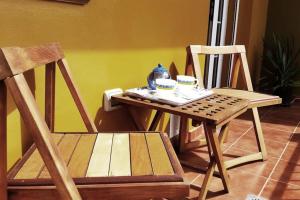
160, 69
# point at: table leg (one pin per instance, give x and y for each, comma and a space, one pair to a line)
207, 179
140, 126
216, 158
207, 141
217, 152
183, 134
155, 121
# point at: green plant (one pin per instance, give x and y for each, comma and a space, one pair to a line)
280, 68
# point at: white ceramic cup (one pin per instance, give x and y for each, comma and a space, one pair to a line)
187, 81
165, 85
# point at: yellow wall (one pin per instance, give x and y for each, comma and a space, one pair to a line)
108, 43
256, 36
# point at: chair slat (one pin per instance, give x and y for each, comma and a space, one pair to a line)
65, 71
120, 156
66, 148
81, 157
202, 49
235, 72
161, 164
50, 95
100, 160
16, 60
33, 166
140, 159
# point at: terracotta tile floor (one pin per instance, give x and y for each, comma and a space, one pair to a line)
276, 178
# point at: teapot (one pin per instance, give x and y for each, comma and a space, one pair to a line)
158, 72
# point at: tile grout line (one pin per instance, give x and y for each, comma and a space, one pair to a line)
238, 139
271, 179
195, 179
279, 159
234, 142
278, 129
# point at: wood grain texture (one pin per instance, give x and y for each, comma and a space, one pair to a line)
16, 60
235, 72
161, 164
29, 111
34, 165
207, 180
156, 119
100, 160
132, 191
183, 134
172, 155
138, 122
65, 70
256, 99
3, 141
230, 49
213, 109
81, 157
81, 2
259, 134
66, 147
120, 156
218, 154
140, 159
246, 71
50, 95
134, 187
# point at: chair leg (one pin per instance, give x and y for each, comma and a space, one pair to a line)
183, 134
28, 108
3, 143
259, 134
225, 137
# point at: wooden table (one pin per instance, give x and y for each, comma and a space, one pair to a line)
215, 111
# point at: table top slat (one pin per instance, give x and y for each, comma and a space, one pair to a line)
212, 109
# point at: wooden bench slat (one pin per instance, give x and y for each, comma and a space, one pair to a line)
161, 164
100, 160
33, 166
140, 159
81, 157
120, 156
66, 148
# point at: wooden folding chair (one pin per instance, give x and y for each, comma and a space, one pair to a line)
77, 165
256, 99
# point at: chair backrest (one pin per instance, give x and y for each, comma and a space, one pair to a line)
17, 60
193, 65
14, 61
